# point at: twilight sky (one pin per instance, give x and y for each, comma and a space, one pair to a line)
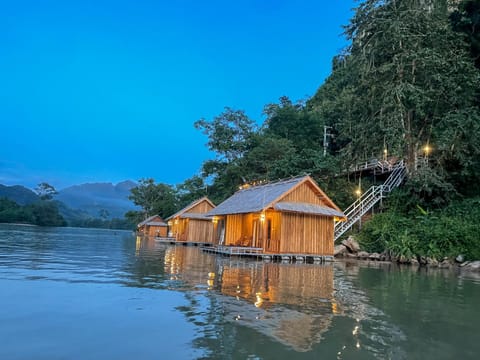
108, 90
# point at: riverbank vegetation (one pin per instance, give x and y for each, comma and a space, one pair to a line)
407, 87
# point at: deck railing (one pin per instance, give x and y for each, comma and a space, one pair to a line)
239, 250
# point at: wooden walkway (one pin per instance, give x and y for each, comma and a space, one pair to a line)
258, 253
173, 241
245, 251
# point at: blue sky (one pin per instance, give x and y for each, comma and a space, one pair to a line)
95, 91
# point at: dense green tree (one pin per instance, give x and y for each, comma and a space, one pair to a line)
190, 190
154, 198
295, 123
466, 19
45, 213
229, 134
45, 191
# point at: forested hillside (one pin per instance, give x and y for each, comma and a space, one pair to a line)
407, 87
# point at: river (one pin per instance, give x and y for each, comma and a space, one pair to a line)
68, 293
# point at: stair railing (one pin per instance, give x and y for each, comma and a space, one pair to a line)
369, 198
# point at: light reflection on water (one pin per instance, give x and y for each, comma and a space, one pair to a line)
192, 304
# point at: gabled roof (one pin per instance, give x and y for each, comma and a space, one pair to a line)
305, 208
182, 212
154, 220
259, 198
195, 216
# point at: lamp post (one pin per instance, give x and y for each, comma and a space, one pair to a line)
358, 192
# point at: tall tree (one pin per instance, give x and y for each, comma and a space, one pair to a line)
45, 191
466, 19
154, 198
413, 72
191, 190
229, 133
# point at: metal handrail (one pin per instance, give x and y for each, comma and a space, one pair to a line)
369, 198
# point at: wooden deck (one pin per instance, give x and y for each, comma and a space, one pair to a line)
173, 241
258, 253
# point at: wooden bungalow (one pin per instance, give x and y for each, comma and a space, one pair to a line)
287, 217
191, 224
153, 226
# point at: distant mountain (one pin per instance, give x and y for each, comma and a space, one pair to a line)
94, 198
20, 194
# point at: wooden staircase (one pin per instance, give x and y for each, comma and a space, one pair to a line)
370, 198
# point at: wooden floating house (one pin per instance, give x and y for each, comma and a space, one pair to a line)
191, 224
153, 226
291, 217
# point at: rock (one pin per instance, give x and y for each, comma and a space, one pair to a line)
423, 260
464, 263
374, 256
460, 258
363, 255
414, 261
339, 250
473, 266
403, 259
445, 264
351, 244
432, 262
351, 256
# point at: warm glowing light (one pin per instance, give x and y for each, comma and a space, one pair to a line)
211, 275
355, 330
427, 149
358, 192
335, 308
385, 151
176, 221
259, 299
358, 345
169, 223
262, 217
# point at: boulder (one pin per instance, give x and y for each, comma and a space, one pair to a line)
363, 255
460, 258
403, 259
445, 264
414, 261
423, 260
374, 256
432, 261
350, 255
351, 244
473, 266
339, 250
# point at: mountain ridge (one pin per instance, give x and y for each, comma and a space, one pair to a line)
87, 198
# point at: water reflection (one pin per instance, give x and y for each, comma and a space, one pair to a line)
291, 304
248, 309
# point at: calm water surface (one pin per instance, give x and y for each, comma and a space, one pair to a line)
69, 293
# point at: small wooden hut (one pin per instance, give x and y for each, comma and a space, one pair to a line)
287, 217
153, 226
191, 224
